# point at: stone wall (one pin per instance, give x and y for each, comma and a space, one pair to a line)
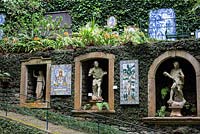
145, 53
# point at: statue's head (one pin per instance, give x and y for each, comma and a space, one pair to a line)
176, 64
96, 63
40, 72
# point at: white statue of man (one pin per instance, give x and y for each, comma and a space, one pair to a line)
177, 76
97, 74
40, 84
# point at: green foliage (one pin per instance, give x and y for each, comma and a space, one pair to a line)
49, 36
136, 37
67, 121
127, 12
21, 15
11, 127
86, 107
161, 112
26, 29
164, 92
100, 105
196, 6
191, 108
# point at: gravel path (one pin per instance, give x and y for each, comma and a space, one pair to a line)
34, 122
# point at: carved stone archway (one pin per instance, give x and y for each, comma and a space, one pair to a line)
78, 77
152, 73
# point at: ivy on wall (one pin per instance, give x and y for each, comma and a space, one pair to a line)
128, 12
21, 16
21, 13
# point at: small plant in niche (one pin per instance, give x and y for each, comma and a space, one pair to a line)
164, 92
162, 111
102, 105
190, 108
87, 107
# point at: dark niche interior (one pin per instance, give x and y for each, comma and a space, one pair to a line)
87, 81
32, 81
189, 88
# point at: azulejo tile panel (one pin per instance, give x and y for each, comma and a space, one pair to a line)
61, 79
129, 82
2, 21
162, 22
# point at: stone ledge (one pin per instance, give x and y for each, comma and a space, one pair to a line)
172, 120
35, 105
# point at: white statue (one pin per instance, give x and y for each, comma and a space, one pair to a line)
177, 76
97, 74
40, 84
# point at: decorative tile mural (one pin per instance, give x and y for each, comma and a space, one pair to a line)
2, 21
129, 82
197, 34
61, 79
162, 21
1, 34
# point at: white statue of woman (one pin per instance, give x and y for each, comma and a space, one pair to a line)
40, 84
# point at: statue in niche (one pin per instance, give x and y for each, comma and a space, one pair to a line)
176, 99
97, 73
40, 84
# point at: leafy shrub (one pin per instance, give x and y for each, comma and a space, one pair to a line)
12, 127
60, 119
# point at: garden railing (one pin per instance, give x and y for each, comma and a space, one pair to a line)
99, 119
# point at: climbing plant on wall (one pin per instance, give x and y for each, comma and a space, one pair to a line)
127, 12
24, 19
20, 13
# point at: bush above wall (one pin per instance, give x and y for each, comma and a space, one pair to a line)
89, 35
20, 13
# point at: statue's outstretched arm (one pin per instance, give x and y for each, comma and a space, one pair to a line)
90, 72
168, 75
34, 74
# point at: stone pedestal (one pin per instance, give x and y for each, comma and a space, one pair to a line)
97, 99
176, 112
176, 108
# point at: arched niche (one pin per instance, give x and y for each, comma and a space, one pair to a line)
189, 88
82, 65
175, 54
28, 83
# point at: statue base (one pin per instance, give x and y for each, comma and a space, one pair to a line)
176, 112
176, 108
97, 99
